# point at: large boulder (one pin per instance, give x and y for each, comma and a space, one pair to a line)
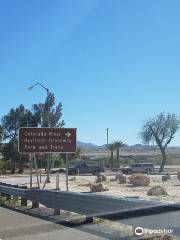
72, 179
98, 188
121, 177
157, 191
139, 180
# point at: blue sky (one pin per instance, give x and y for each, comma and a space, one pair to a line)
111, 63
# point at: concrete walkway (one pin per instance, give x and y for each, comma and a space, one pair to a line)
17, 226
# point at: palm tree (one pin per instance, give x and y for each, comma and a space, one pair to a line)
112, 147
118, 144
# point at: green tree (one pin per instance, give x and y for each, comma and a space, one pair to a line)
16, 118
48, 114
10, 153
118, 144
160, 129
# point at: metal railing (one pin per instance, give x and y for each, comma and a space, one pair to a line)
88, 204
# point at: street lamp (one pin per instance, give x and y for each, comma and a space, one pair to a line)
31, 87
47, 91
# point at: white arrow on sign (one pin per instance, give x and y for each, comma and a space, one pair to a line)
68, 134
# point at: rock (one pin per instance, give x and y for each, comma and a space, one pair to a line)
139, 180
98, 188
178, 175
72, 179
121, 177
100, 178
157, 191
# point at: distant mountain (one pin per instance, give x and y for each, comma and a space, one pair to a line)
141, 147
93, 146
87, 145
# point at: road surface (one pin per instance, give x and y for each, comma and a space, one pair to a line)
17, 226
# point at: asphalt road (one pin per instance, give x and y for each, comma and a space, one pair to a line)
166, 220
17, 226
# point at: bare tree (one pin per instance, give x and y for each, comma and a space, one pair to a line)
160, 129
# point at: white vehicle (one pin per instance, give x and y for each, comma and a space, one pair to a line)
139, 168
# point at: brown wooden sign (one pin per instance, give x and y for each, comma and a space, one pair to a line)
47, 140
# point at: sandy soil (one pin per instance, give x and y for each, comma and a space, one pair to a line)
172, 187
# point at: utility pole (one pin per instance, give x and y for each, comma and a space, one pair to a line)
107, 140
107, 135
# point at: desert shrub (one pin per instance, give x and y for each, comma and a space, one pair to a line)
166, 177
97, 188
121, 177
100, 178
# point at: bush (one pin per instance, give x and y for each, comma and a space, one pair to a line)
58, 163
121, 177
4, 166
100, 178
